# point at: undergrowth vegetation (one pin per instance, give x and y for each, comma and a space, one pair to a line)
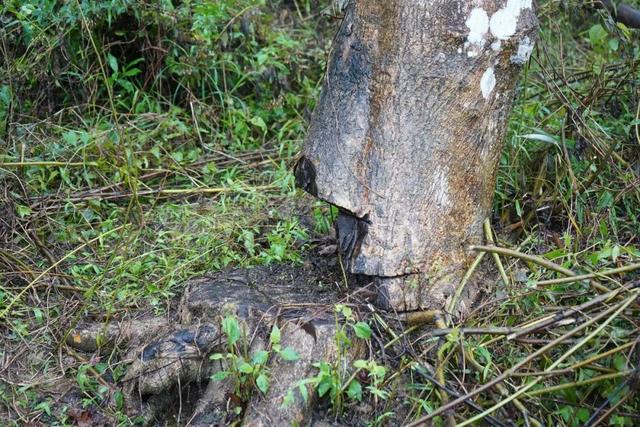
145, 143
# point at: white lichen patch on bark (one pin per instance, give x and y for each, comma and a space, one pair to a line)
525, 47
504, 22
487, 83
501, 25
478, 24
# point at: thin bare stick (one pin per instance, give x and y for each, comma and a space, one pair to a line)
601, 355
562, 280
577, 383
600, 420
488, 233
536, 260
45, 163
526, 257
405, 333
444, 396
600, 299
420, 371
167, 192
463, 283
543, 373
498, 330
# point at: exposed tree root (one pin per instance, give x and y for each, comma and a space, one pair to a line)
169, 377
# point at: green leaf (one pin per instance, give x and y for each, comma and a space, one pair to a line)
565, 412
614, 44
216, 356
453, 336
260, 358
257, 121
583, 414
362, 330
113, 62
39, 315
620, 363
486, 354
23, 210
557, 253
274, 338
245, 368
219, 376
605, 200
303, 391
263, 383
44, 406
288, 399
549, 139
231, 329
379, 372
360, 364
615, 253
625, 30
597, 34
324, 387
518, 208
5, 95
377, 392
132, 72
347, 312
289, 354
70, 137
355, 390
118, 397
248, 241
155, 150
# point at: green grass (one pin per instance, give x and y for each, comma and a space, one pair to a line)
142, 144
133, 162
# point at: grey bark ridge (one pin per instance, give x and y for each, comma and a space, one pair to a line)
407, 134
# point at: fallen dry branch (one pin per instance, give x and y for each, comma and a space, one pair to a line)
564, 280
118, 191
609, 314
421, 370
501, 389
536, 260
564, 314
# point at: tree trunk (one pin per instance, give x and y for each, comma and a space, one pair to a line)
407, 134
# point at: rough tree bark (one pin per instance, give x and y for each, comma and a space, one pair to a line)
407, 134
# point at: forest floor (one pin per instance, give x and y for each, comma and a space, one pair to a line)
144, 146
